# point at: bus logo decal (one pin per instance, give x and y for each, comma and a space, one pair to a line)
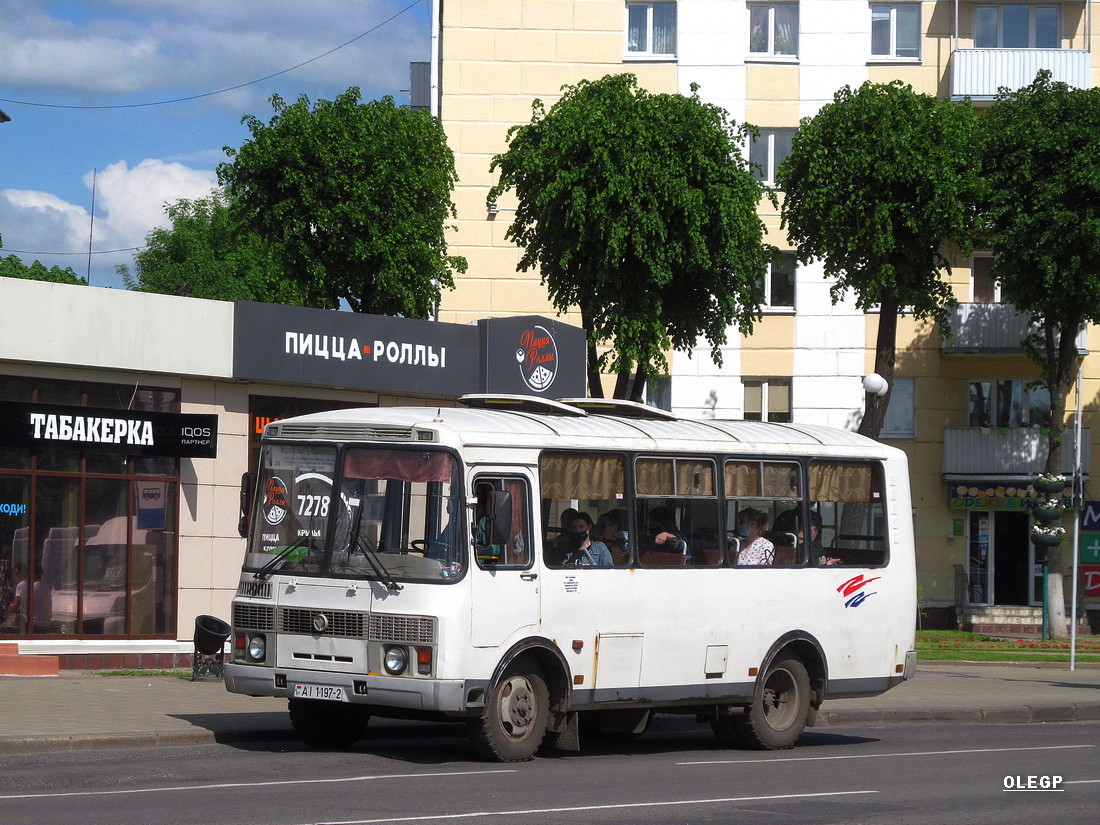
853, 588
275, 504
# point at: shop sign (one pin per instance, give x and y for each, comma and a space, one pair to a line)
529, 355
990, 495
1090, 516
104, 430
1090, 574
353, 350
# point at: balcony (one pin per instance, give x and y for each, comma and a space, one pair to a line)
1016, 451
978, 73
993, 329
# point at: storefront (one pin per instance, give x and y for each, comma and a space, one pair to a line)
127, 420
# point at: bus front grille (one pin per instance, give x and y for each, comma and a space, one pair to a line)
411, 629
341, 623
253, 616
254, 589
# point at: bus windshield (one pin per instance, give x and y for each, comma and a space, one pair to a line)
396, 514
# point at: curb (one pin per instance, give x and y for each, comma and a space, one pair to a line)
1026, 714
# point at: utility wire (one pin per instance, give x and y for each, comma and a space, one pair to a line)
85, 252
219, 91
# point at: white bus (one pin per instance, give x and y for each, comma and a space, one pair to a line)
419, 562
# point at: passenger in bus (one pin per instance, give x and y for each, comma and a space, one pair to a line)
664, 535
586, 551
791, 521
755, 549
610, 529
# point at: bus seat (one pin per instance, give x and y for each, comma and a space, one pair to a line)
785, 555
619, 558
659, 558
710, 555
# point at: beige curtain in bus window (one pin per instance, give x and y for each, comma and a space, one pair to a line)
780, 480
840, 481
576, 476
654, 477
742, 479
694, 477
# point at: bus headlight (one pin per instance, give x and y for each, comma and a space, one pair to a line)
257, 648
396, 660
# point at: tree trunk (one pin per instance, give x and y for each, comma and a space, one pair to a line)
622, 383
886, 346
1061, 372
638, 389
595, 382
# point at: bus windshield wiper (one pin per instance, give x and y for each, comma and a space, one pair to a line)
375, 561
269, 567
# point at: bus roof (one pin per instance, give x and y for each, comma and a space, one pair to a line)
597, 427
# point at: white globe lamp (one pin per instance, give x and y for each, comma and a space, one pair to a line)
875, 384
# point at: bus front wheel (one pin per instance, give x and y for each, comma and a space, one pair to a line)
516, 714
779, 712
328, 725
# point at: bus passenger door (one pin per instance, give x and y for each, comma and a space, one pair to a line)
505, 585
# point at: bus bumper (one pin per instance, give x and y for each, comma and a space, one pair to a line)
447, 696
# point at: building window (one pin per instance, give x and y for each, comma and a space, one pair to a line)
778, 282
1016, 26
1008, 403
984, 288
89, 541
895, 30
899, 413
768, 399
651, 29
773, 28
768, 151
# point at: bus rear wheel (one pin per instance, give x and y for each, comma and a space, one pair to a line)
778, 714
516, 714
328, 725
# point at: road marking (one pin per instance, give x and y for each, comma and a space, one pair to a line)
581, 808
877, 755
224, 785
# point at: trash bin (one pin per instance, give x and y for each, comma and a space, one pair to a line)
210, 635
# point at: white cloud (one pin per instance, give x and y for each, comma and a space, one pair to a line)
129, 203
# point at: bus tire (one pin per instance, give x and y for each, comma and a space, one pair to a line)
778, 714
328, 725
516, 714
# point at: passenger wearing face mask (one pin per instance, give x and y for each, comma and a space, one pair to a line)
586, 552
755, 549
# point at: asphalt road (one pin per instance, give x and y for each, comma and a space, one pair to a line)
898, 774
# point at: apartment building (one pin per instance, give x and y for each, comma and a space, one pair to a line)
962, 409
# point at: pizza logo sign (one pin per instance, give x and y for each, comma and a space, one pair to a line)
275, 504
537, 357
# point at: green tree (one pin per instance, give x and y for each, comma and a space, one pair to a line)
13, 267
639, 209
1041, 160
877, 184
355, 198
207, 254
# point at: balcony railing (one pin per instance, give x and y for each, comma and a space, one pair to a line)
1015, 451
978, 73
993, 329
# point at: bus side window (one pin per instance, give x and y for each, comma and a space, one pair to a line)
500, 524
849, 497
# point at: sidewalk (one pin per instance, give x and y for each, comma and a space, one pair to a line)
77, 711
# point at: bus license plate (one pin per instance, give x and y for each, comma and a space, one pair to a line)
333, 694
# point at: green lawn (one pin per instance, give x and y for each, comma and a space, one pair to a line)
955, 645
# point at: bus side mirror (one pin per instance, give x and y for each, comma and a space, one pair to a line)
247, 483
501, 510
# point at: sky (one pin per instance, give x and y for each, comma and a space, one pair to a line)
132, 94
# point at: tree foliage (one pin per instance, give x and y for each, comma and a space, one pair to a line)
877, 183
207, 254
639, 209
1041, 216
13, 267
355, 198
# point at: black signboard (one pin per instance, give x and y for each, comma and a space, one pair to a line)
532, 355
353, 350
103, 430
